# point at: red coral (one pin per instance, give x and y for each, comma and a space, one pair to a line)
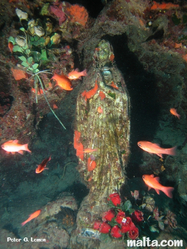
163, 6
77, 14
91, 164
19, 74
102, 95
90, 93
78, 145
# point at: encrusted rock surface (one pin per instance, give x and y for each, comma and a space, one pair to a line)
108, 131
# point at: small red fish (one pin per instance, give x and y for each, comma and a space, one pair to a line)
89, 150
173, 111
63, 82
13, 146
156, 149
153, 182
32, 216
42, 166
75, 74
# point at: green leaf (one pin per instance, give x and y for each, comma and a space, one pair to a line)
27, 51
36, 70
29, 69
22, 29
127, 206
43, 56
35, 66
30, 60
105, 237
131, 210
17, 49
113, 222
22, 58
111, 205
12, 40
37, 41
24, 64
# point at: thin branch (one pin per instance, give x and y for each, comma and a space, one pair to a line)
48, 102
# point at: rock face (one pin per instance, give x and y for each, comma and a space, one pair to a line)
102, 124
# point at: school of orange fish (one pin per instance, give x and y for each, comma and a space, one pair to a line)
13, 146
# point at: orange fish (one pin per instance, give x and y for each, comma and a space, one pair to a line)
32, 216
89, 150
63, 82
75, 74
100, 110
153, 182
10, 46
42, 166
173, 111
13, 146
90, 93
91, 165
156, 149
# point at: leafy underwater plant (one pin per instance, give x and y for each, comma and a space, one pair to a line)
30, 60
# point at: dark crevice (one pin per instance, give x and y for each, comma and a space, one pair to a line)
145, 106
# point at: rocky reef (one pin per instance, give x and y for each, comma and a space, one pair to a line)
134, 53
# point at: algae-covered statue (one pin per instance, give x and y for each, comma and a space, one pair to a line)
102, 133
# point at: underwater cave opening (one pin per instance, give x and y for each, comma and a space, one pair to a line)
79, 190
